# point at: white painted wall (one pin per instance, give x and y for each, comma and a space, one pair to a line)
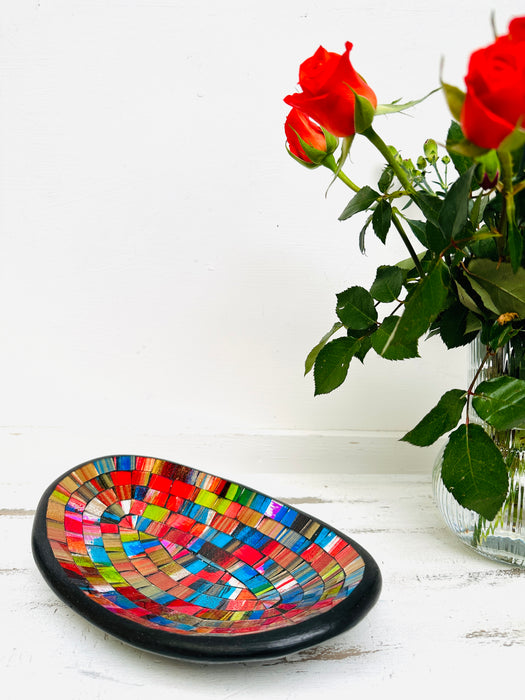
165, 266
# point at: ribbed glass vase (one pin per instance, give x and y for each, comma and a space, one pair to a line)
503, 538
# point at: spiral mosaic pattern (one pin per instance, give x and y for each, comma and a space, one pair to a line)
176, 549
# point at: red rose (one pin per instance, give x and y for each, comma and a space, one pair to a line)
328, 82
307, 141
495, 100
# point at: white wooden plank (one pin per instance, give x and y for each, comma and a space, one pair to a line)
443, 609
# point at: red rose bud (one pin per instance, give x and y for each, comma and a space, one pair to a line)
495, 100
334, 94
308, 143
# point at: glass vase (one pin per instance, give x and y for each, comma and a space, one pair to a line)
502, 539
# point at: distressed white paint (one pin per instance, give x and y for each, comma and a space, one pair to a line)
446, 618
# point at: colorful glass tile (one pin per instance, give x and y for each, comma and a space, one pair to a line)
191, 565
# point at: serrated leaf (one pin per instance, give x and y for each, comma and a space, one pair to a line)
436, 239
381, 219
442, 418
474, 472
453, 326
312, 355
418, 228
359, 202
365, 344
331, 365
476, 213
355, 308
394, 351
501, 402
454, 212
422, 307
466, 299
387, 284
430, 205
386, 178
455, 135
504, 290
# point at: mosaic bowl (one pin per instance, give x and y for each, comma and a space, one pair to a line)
190, 565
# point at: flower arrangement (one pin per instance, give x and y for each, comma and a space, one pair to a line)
463, 202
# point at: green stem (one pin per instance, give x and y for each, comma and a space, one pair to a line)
347, 181
332, 165
404, 238
507, 212
398, 169
470, 390
403, 178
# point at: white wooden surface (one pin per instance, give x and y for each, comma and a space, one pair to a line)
447, 620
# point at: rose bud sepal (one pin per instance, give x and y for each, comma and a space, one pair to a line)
364, 113
316, 156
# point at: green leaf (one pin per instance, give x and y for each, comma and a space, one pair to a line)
394, 351
453, 326
418, 228
396, 107
387, 284
365, 344
455, 99
430, 205
455, 135
501, 402
501, 289
381, 219
422, 307
355, 308
476, 213
437, 241
515, 244
454, 213
474, 472
386, 178
362, 234
361, 201
312, 355
465, 297
442, 418
331, 365
408, 263
498, 335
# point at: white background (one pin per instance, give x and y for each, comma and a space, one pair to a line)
165, 266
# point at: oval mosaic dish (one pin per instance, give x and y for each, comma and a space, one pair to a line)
190, 565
